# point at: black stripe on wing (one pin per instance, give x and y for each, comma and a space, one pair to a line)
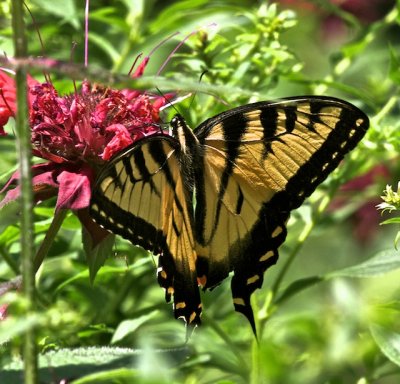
233, 127
248, 276
259, 248
110, 215
140, 195
328, 156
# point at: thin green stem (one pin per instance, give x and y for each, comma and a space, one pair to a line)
230, 344
49, 238
255, 374
10, 262
24, 152
302, 238
390, 104
27, 247
40, 254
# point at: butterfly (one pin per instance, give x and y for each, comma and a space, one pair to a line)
216, 199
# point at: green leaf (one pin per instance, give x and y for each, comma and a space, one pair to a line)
10, 235
44, 211
105, 45
129, 326
393, 220
139, 267
16, 327
100, 364
96, 256
298, 286
73, 363
194, 10
96, 329
396, 239
387, 341
383, 262
394, 70
108, 16
65, 10
117, 376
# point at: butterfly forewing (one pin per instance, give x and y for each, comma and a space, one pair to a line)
140, 195
261, 161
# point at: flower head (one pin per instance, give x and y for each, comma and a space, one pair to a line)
77, 133
89, 126
391, 199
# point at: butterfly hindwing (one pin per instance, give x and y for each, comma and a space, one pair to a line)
260, 162
140, 195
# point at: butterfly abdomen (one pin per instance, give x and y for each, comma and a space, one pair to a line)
189, 154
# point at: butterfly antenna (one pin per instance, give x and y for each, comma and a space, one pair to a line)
168, 102
163, 123
195, 93
180, 44
71, 59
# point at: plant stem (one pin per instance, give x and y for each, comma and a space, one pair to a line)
255, 375
10, 262
230, 344
49, 238
24, 152
390, 104
302, 238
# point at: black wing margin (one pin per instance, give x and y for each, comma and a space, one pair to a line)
260, 162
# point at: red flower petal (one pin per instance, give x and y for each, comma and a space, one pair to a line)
8, 106
43, 180
7, 100
31, 81
120, 140
4, 116
140, 69
11, 195
3, 311
74, 188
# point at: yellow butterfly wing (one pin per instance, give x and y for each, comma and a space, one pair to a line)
141, 196
260, 161
245, 170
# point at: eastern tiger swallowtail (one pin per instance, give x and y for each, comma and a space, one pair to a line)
216, 199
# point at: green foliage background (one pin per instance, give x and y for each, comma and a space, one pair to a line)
329, 311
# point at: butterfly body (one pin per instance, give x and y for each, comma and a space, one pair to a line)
216, 199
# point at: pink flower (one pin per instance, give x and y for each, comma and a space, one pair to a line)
3, 311
7, 98
76, 134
